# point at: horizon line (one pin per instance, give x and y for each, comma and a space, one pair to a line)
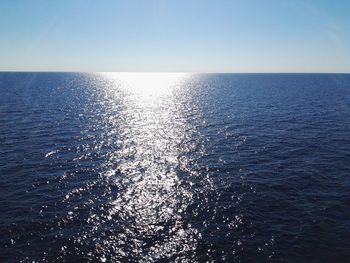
177, 72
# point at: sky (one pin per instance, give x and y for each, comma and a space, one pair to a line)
175, 35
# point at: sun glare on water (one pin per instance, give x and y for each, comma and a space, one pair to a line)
145, 120
147, 84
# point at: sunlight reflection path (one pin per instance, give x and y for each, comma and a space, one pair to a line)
152, 134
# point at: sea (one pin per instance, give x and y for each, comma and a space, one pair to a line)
174, 167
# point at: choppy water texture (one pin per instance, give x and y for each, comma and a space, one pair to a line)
174, 167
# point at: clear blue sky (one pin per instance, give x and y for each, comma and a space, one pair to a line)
175, 35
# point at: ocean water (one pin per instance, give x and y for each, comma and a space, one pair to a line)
156, 167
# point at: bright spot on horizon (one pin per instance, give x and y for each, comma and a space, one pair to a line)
147, 84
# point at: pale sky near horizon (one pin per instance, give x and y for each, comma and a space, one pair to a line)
175, 35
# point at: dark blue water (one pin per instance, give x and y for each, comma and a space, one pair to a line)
174, 168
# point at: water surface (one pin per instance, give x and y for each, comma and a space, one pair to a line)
157, 167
